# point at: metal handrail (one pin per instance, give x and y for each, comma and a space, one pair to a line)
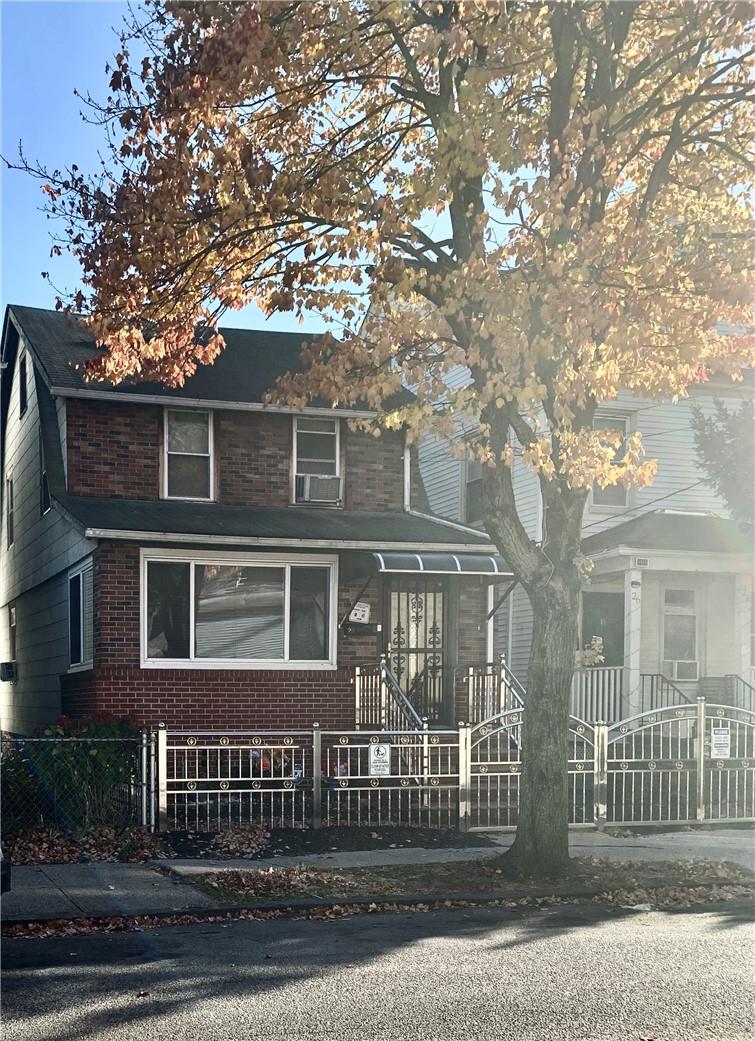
659, 684
399, 696
513, 683
744, 688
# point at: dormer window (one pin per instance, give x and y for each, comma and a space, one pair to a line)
188, 454
317, 461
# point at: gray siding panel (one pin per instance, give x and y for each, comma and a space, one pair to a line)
33, 572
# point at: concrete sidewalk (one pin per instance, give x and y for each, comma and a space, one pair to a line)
79, 890
733, 844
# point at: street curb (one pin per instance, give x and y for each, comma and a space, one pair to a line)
435, 902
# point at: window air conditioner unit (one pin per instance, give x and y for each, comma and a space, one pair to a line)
325, 491
681, 670
8, 671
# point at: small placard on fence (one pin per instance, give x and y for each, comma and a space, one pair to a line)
380, 760
720, 743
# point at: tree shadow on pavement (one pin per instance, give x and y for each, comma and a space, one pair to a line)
68, 988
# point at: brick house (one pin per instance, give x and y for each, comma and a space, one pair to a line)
195, 557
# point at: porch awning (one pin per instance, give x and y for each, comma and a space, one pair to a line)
441, 563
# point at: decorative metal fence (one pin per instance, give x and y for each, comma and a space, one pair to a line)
389, 777
211, 782
681, 764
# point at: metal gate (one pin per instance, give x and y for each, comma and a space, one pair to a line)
495, 767
416, 648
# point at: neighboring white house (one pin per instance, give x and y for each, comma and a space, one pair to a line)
671, 589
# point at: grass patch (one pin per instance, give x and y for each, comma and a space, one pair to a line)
460, 878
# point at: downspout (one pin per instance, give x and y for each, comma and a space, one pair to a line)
407, 476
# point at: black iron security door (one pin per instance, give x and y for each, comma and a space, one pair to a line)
416, 649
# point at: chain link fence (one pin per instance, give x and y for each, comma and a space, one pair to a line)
74, 782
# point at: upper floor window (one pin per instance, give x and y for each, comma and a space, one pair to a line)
316, 447
23, 390
188, 454
614, 495
248, 611
44, 488
81, 615
9, 509
317, 460
473, 492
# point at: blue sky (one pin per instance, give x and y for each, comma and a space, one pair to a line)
47, 50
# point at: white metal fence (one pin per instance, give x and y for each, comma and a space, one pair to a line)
679, 764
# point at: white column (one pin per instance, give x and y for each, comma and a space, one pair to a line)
742, 624
632, 635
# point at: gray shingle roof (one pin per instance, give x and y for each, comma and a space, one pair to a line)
248, 367
674, 531
268, 524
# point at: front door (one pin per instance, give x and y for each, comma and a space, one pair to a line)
603, 615
416, 640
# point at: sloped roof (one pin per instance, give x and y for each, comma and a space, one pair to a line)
252, 361
662, 530
265, 525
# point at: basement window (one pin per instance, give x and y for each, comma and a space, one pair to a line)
219, 611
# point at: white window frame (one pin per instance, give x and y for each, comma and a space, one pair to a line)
240, 560
209, 454
599, 423
318, 419
44, 481
10, 510
679, 610
80, 569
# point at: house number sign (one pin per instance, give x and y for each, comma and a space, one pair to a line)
380, 760
720, 743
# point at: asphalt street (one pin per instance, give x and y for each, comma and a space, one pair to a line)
575, 973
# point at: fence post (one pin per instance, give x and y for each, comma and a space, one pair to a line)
383, 692
600, 778
465, 776
358, 694
152, 781
470, 692
316, 776
144, 780
700, 759
162, 777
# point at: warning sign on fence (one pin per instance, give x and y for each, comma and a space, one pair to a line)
720, 743
380, 760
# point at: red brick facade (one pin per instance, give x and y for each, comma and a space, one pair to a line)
113, 449
241, 698
115, 452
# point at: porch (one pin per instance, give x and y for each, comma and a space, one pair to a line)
599, 694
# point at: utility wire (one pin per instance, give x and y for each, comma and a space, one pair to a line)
634, 509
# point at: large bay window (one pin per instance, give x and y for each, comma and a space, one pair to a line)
222, 611
188, 454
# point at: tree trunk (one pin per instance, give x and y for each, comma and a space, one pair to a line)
542, 837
